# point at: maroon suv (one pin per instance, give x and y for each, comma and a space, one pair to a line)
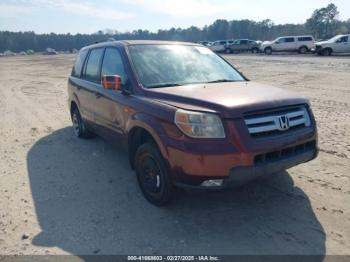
186, 116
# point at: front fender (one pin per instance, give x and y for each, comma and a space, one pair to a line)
152, 126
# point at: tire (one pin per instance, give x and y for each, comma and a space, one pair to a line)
152, 175
303, 50
228, 51
268, 51
327, 52
255, 50
79, 127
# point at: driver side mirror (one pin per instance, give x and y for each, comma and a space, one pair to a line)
111, 82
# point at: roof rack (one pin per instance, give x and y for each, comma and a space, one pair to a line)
109, 39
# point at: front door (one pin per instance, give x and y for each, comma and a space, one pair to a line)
342, 45
110, 103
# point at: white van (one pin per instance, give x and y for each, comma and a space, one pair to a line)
337, 44
220, 45
301, 44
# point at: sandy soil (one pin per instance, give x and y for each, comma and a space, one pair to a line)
62, 195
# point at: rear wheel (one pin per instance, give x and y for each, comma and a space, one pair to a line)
152, 175
255, 50
79, 127
228, 51
268, 50
303, 50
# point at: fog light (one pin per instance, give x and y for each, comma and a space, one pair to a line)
212, 183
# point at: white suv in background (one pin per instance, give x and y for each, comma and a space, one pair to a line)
337, 44
301, 44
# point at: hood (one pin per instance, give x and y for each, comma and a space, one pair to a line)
229, 99
267, 42
323, 42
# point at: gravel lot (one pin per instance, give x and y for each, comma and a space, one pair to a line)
62, 195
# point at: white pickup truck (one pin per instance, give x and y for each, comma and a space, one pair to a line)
301, 44
337, 44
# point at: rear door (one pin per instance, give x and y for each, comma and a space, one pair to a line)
243, 45
110, 103
289, 44
347, 45
91, 81
77, 88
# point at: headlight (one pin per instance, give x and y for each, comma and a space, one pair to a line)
199, 125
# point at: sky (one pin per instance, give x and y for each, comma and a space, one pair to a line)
89, 16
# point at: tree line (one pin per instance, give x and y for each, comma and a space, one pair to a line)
323, 24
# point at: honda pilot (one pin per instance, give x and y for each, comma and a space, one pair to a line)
186, 117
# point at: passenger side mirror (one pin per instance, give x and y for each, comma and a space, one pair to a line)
112, 82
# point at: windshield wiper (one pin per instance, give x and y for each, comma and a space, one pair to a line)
163, 85
221, 81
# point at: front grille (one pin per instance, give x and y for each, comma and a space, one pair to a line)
277, 121
284, 153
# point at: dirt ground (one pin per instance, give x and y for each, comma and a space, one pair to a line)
62, 195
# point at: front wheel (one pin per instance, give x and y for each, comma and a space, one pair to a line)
327, 52
268, 51
152, 175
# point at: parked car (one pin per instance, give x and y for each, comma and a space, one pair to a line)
186, 116
9, 53
243, 45
50, 51
337, 44
301, 44
205, 43
220, 45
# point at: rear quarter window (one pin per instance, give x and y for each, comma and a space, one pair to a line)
79, 63
92, 68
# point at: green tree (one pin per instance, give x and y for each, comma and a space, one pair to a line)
324, 21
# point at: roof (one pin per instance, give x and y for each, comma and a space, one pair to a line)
137, 42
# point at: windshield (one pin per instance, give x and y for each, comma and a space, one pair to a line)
169, 65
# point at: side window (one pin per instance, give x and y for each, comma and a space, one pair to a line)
92, 69
244, 42
79, 62
113, 64
344, 39
281, 40
304, 39
222, 42
289, 40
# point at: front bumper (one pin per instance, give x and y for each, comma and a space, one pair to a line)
243, 174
